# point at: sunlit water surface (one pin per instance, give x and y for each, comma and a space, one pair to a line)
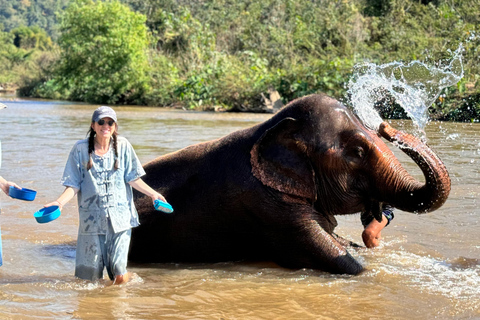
427, 267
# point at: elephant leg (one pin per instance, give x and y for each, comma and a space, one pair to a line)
329, 223
310, 246
344, 242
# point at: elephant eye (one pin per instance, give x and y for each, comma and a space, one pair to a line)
360, 152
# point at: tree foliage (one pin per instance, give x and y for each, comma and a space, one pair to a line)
103, 57
31, 38
231, 52
40, 13
21, 55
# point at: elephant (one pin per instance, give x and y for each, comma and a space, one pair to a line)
271, 192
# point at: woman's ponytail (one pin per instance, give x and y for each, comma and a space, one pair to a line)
91, 147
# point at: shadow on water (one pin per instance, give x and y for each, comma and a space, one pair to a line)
257, 271
462, 263
62, 250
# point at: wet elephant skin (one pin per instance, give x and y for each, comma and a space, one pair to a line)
271, 192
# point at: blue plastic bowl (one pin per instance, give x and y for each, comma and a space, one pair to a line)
47, 214
22, 194
163, 206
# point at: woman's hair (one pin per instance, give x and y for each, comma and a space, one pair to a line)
91, 147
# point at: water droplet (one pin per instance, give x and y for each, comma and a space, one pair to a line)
453, 136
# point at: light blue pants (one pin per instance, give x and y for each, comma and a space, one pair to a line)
97, 252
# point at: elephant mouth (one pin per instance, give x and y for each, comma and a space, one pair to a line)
332, 206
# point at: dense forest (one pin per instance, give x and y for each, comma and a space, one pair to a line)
229, 54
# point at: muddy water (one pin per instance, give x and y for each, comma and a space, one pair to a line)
427, 267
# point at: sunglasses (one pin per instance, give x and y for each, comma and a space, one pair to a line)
101, 122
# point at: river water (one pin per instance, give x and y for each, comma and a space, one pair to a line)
428, 266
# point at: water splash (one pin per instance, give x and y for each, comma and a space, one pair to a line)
414, 87
456, 279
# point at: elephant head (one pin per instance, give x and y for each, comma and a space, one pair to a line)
327, 157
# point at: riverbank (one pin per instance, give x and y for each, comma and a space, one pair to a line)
453, 105
8, 89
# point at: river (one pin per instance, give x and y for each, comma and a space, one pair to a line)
428, 266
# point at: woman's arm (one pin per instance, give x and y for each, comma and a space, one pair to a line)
66, 196
5, 185
144, 188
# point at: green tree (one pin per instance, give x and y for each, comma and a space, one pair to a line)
11, 54
31, 38
5, 37
103, 53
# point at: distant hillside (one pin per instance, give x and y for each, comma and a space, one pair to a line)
15, 13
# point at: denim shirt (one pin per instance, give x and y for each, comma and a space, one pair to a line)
103, 191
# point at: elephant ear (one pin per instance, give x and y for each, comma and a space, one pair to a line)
279, 160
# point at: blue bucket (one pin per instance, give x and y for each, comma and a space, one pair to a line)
22, 194
47, 214
163, 206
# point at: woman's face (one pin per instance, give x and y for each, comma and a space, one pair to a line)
104, 128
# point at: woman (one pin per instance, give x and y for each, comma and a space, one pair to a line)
101, 170
4, 186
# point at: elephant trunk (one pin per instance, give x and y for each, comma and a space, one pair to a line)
408, 194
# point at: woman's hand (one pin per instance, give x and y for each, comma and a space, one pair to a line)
5, 185
66, 196
54, 203
158, 196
